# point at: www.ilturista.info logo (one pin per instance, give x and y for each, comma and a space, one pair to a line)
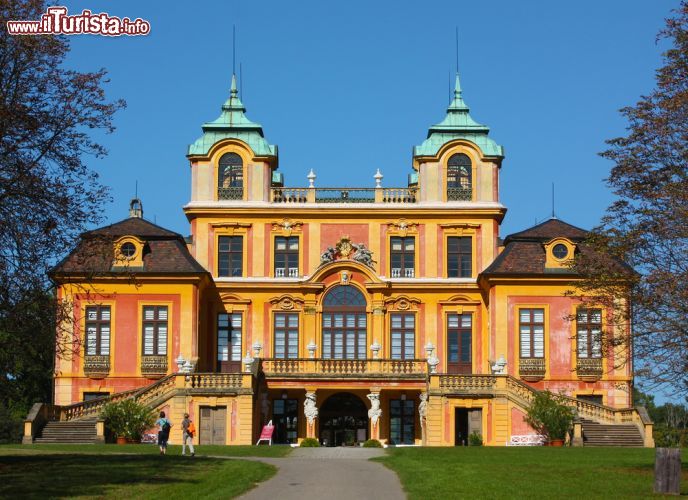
56, 21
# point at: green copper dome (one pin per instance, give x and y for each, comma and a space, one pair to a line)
233, 124
458, 124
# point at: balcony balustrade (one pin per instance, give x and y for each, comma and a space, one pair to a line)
292, 272
407, 272
343, 368
342, 195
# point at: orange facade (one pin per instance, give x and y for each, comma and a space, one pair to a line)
341, 313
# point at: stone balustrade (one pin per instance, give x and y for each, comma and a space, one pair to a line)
389, 368
298, 195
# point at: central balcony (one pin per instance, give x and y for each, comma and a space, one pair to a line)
345, 368
343, 195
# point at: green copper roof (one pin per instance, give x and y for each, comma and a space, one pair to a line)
233, 124
458, 124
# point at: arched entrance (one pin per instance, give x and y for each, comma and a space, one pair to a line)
344, 324
343, 420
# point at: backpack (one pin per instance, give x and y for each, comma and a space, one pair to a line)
191, 429
166, 427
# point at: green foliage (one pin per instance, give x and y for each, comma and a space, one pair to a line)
128, 418
549, 416
372, 443
475, 439
310, 443
646, 226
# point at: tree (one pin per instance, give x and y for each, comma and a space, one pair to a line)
647, 226
48, 193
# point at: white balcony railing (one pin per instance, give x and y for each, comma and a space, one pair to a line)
408, 272
292, 272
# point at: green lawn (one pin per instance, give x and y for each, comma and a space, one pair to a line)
526, 472
148, 449
38, 474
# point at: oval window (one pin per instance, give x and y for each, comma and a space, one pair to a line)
560, 251
128, 250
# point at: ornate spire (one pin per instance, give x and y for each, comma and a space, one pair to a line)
458, 124
233, 123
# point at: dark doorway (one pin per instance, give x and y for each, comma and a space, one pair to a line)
461, 427
285, 414
343, 420
597, 399
402, 419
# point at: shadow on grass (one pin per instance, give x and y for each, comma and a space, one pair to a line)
65, 475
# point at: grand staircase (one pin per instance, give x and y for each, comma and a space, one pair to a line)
597, 434
72, 432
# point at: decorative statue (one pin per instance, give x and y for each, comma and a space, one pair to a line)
309, 408
328, 256
347, 250
363, 255
375, 412
423, 407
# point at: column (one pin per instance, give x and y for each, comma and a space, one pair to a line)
374, 414
310, 411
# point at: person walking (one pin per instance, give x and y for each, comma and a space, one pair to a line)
188, 431
164, 433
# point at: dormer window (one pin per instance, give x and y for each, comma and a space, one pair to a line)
559, 253
230, 178
459, 178
129, 252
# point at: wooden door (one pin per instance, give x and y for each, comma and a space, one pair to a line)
213, 425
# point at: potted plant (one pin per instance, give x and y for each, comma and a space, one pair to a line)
127, 420
548, 415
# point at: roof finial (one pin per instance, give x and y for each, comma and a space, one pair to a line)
553, 214
136, 208
233, 90
457, 50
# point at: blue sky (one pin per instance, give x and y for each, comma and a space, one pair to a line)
348, 87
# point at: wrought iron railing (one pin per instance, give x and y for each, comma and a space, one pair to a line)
532, 368
97, 366
345, 195
589, 369
153, 365
459, 194
230, 193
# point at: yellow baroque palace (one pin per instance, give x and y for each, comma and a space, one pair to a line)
342, 314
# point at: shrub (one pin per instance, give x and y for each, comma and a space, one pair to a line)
549, 416
128, 418
310, 443
372, 443
475, 439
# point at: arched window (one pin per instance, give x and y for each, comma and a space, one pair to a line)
344, 324
230, 178
459, 172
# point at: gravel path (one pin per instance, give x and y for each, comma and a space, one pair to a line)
331, 473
